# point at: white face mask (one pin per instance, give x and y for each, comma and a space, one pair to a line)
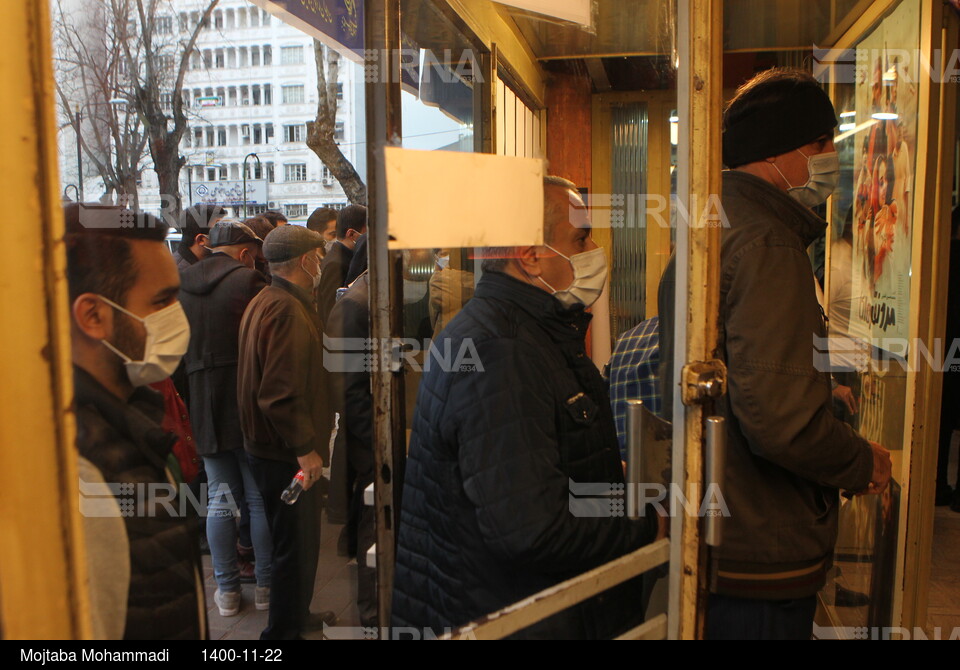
328, 245
315, 278
443, 262
589, 277
168, 335
824, 171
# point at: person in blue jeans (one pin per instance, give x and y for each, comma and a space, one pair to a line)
214, 293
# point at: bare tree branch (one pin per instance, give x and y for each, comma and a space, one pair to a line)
321, 133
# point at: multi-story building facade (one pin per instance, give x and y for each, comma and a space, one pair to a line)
251, 88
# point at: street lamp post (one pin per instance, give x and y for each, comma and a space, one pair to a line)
259, 165
79, 161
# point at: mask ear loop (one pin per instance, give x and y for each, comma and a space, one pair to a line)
541, 279
108, 345
787, 181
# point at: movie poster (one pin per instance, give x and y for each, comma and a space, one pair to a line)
884, 172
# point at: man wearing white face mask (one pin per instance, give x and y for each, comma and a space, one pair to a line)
286, 418
486, 518
787, 455
127, 331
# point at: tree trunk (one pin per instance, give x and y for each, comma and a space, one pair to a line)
327, 150
167, 164
321, 131
129, 194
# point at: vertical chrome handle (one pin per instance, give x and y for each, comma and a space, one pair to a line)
715, 461
634, 450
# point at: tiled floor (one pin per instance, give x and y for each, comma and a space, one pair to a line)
336, 587
943, 608
944, 603
335, 590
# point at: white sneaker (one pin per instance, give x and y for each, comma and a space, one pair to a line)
228, 603
262, 601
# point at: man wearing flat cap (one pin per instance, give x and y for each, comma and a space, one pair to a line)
214, 293
285, 418
788, 457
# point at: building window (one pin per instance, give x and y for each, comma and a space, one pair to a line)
339, 90
219, 60
270, 173
293, 133
218, 19
245, 133
268, 135
292, 94
198, 137
267, 94
291, 55
221, 137
255, 90
338, 133
267, 55
295, 172
211, 174
166, 101
297, 211
257, 134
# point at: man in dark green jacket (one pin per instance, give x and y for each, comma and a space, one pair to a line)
787, 455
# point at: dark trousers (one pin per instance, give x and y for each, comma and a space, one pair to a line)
746, 619
950, 399
296, 548
366, 538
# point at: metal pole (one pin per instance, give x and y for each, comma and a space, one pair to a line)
634, 456
79, 160
259, 165
715, 461
382, 42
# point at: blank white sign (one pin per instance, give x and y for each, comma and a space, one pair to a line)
440, 199
577, 11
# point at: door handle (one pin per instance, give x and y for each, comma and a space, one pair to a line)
715, 460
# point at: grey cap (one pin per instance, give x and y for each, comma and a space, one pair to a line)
227, 233
290, 241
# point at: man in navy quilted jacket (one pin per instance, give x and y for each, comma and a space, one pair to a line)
487, 518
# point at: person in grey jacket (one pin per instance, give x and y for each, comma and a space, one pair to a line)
787, 456
214, 294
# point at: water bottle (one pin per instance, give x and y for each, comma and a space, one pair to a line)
292, 492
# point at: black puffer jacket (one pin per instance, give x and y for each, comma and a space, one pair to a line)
126, 443
486, 517
214, 293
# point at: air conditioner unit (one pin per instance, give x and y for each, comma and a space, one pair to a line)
328, 181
